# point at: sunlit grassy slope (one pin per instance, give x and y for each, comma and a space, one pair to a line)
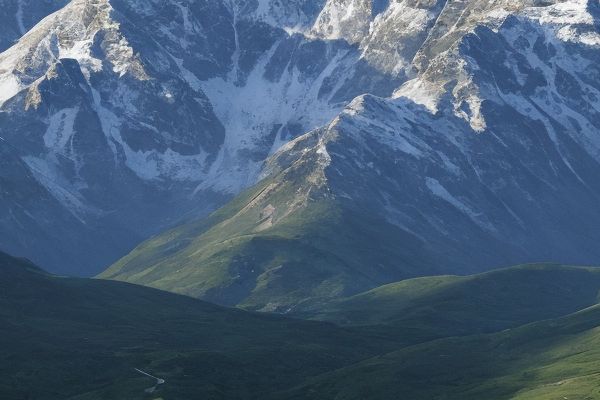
480, 303
263, 252
550, 360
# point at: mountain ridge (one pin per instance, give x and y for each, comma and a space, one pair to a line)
498, 171
125, 68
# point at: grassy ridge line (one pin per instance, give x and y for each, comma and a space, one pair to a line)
245, 256
485, 302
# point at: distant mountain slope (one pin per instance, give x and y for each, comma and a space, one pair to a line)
240, 256
487, 158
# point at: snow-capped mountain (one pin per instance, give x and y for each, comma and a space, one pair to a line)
132, 115
126, 117
496, 162
488, 155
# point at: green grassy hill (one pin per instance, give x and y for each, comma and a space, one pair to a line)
481, 303
271, 249
64, 338
81, 339
549, 360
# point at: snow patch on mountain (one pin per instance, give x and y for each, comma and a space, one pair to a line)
294, 16
64, 35
19, 17
46, 174
260, 106
396, 34
392, 130
60, 129
440, 191
570, 12
420, 92
9, 87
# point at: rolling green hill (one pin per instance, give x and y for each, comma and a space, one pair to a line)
63, 338
548, 360
81, 339
482, 303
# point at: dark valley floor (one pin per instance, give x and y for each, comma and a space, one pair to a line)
482, 336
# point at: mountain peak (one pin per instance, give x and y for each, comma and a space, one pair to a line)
187, 104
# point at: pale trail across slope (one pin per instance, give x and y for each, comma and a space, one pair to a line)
159, 381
